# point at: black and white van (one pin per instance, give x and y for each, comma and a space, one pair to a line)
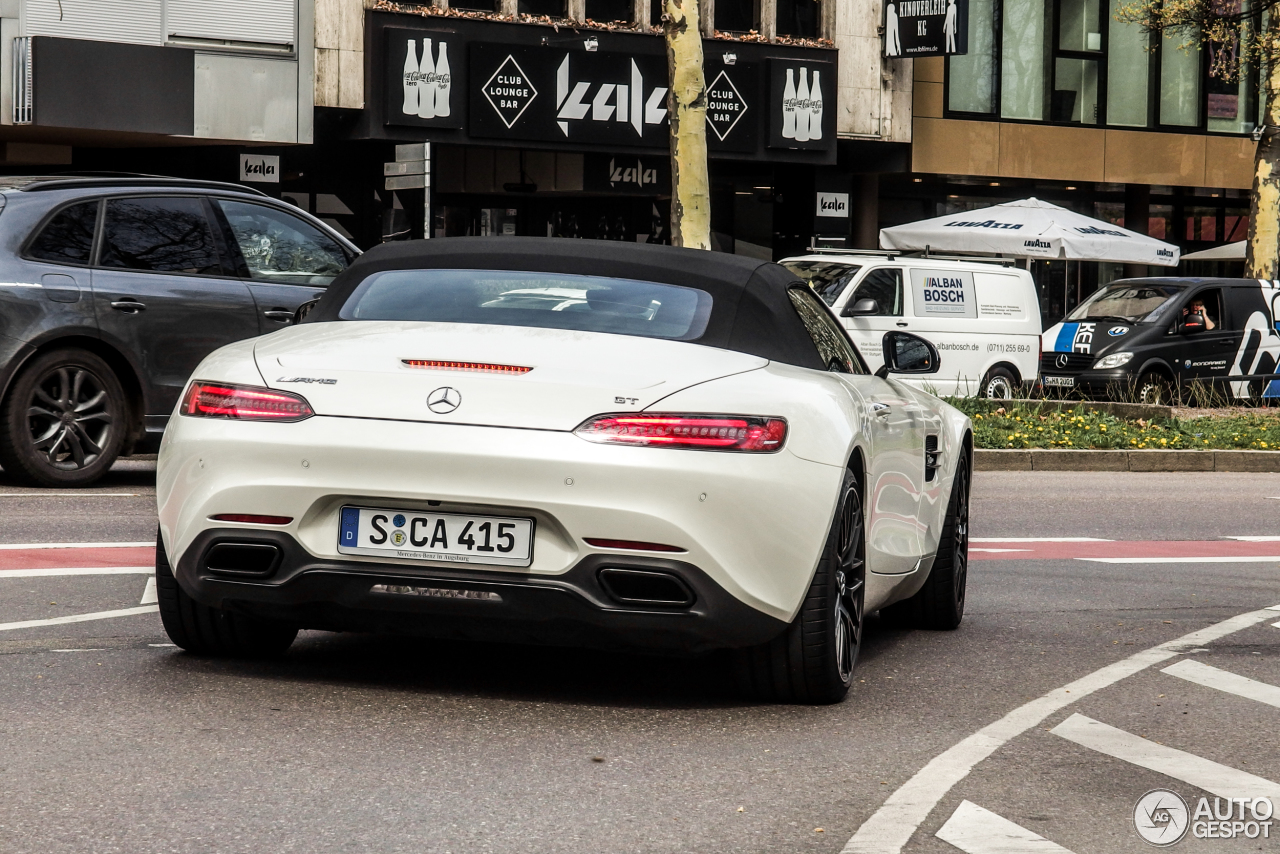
1143, 336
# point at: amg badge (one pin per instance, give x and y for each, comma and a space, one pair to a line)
319, 380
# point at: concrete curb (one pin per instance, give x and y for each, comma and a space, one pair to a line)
1046, 460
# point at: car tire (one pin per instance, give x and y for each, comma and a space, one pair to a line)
812, 661
1153, 389
64, 420
939, 604
208, 631
999, 384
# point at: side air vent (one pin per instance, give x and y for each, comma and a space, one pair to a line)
257, 560
930, 458
645, 587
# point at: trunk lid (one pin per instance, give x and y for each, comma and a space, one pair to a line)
358, 369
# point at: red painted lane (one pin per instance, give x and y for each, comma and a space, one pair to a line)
49, 558
1121, 548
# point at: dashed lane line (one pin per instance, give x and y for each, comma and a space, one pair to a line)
42, 572
1212, 777
1040, 540
1215, 559
892, 826
975, 830
149, 594
80, 618
1223, 680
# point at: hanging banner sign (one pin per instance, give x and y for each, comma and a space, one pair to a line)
914, 28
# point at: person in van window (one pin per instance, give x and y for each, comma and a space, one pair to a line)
1197, 306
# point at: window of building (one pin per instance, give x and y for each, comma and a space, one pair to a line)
971, 80
1076, 60
68, 238
799, 18
608, 11
1024, 40
550, 8
1128, 72
1179, 82
475, 5
737, 16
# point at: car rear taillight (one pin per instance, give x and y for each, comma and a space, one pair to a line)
701, 432
246, 403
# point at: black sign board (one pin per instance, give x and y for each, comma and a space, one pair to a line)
799, 92
926, 27
734, 106
424, 82
627, 174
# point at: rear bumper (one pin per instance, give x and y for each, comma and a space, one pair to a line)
572, 608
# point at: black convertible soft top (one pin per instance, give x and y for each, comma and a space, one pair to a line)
750, 310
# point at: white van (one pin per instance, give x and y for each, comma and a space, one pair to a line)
983, 316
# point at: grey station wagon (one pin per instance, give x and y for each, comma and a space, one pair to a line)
111, 292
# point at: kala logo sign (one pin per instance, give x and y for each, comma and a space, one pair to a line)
611, 102
638, 174
427, 83
260, 168
802, 107
833, 204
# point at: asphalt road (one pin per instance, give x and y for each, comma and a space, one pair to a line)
112, 741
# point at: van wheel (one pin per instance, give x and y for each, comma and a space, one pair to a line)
64, 421
999, 384
1154, 390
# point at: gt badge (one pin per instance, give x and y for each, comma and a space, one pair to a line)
444, 400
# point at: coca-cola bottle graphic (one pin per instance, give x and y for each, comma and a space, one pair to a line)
410, 106
815, 107
789, 108
427, 83
802, 107
443, 83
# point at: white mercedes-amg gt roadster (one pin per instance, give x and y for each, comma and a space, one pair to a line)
566, 441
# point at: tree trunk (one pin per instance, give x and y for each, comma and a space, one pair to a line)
1262, 253
687, 115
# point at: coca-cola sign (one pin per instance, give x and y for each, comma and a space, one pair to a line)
423, 88
802, 106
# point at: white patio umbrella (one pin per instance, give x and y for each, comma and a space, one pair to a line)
1030, 229
1225, 252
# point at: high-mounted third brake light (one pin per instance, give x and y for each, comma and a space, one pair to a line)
246, 403
677, 430
479, 367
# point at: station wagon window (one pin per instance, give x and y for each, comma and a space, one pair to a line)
68, 238
833, 347
278, 247
166, 234
546, 300
884, 285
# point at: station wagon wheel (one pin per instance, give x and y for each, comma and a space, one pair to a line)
64, 420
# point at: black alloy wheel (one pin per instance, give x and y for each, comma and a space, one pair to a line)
812, 660
64, 420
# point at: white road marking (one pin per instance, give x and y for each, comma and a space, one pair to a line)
165, 645
1276, 625
76, 570
1235, 559
76, 545
975, 830
149, 594
891, 826
1224, 680
80, 618
1272, 608
70, 494
1267, 539
1038, 540
1212, 777
972, 549
91, 649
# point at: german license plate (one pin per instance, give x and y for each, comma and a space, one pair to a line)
1060, 381
448, 537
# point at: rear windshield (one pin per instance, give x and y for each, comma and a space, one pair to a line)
547, 300
1132, 302
827, 278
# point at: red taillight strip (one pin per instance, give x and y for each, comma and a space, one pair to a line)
632, 545
744, 433
481, 367
247, 403
252, 519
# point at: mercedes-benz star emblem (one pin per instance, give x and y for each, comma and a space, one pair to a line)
1061, 362
444, 400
